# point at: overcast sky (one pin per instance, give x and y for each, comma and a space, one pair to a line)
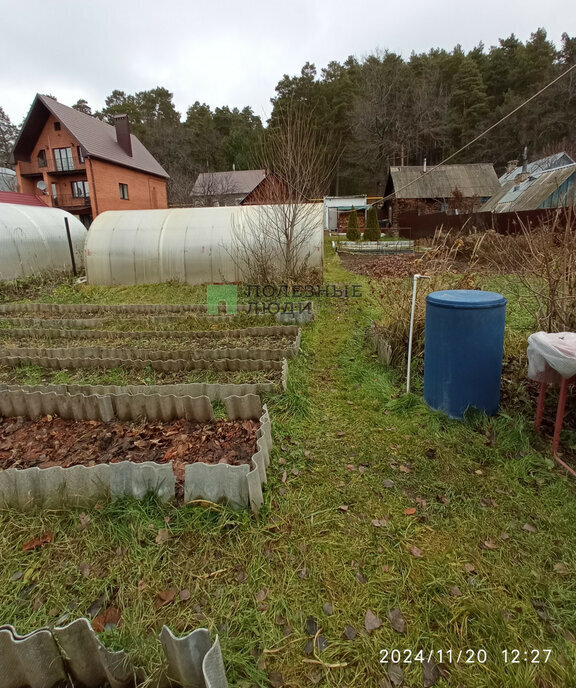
225, 52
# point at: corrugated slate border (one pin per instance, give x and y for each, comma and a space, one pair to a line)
238, 486
89, 309
73, 655
131, 354
379, 344
214, 391
212, 335
58, 359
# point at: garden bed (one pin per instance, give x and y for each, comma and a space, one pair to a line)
52, 441
52, 462
121, 373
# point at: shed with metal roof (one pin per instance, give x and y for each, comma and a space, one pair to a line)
413, 181
552, 188
33, 240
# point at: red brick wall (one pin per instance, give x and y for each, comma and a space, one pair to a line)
48, 140
144, 190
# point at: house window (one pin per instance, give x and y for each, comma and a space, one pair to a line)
80, 154
63, 159
54, 192
80, 190
41, 158
124, 191
56, 126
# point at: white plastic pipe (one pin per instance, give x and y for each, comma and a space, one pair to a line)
414, 285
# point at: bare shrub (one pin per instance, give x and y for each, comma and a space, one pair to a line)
274, 246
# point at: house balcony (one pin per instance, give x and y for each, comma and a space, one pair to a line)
71, 203
56, 165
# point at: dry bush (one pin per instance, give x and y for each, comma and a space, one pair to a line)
542, 263
396, 300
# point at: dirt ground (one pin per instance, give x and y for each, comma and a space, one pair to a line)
378, 267
52, 441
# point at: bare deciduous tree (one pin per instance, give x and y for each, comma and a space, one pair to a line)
275, 243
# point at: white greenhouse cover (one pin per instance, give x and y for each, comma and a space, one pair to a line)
193, 245
33, 240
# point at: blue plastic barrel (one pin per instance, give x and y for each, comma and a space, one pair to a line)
464, 342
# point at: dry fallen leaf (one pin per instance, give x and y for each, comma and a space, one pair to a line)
349, 632
416, 552
489, 544
276, 679
395, 674
39, 541
164, 597
343, 507
184, 595
84, 568
560, 567
469, 568
529, 528
163, 536
261, 595
371, 621
397, 620
410, 511
108, 618
455, 591
379, 522
431, 674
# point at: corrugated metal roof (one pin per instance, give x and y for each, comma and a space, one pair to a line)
471, 180
97, 137
549, 163
21, 199
224, 183
529, 194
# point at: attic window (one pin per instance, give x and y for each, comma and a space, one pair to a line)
56, 126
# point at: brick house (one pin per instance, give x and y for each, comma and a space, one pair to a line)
84, 165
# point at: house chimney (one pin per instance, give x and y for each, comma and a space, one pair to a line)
525, 160
122, 125
511, 165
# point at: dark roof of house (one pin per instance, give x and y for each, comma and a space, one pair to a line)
234, 182
20, 198
96, 137
529, 191
471, 180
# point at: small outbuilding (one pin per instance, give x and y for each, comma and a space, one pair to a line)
198, 245
33, 240
453, 189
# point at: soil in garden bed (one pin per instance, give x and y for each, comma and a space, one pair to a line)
52, 441
37, 375
379, 267
163, 323
161, 342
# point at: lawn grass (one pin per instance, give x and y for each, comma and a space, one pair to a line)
342, 432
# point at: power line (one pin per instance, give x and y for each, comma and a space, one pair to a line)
486, 131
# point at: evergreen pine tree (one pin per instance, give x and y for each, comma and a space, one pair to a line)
372, 230
353, 233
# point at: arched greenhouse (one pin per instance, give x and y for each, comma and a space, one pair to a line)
203, 245
33, 240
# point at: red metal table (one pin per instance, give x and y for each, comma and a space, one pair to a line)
565, 383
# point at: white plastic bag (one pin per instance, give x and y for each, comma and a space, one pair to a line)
551, 356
